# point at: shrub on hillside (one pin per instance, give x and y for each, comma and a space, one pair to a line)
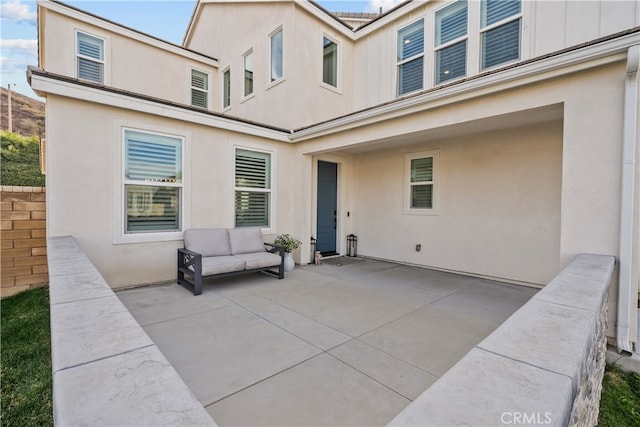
20, 160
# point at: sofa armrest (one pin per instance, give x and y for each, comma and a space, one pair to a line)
275, 249
190, 262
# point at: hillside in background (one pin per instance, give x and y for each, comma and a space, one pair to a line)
27, 114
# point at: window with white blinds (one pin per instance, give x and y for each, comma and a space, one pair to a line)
420, 174
500, 31
152, 182
90, 57
248, 73
451, 42
410, 48
252, 188
199, 89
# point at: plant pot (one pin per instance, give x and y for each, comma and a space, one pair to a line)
289, 264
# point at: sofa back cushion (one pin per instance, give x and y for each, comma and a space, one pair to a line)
208, 241
246, 240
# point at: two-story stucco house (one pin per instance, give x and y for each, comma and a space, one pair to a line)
490, 138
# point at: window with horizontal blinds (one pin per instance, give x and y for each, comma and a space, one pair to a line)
421, 183
329, 62
90, 51
410, 55
248, 74
252, 188
199, 88
500, 32
152, 182
451, 25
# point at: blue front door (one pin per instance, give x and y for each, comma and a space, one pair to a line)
327, 215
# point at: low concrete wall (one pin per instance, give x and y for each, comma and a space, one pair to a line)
543, 366
106, 370
23, 237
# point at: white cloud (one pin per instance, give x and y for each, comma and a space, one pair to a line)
375, 5
17, 54
17, 12
19, 46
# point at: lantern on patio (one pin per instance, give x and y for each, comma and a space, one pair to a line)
352, 245
313, 250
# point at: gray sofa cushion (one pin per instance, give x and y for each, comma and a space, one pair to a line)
260, 259
221, 264
208, 241
246, 240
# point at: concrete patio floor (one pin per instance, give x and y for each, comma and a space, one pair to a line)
328, 345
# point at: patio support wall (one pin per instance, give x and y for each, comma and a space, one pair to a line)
24, 243
543, 365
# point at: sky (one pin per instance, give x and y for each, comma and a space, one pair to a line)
166, 19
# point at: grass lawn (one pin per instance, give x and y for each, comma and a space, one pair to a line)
25, 360
620, 400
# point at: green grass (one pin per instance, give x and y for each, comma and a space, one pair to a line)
620, 400
25, 365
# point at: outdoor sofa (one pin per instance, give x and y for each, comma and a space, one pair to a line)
218, 252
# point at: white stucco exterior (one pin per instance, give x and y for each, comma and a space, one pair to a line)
528, 155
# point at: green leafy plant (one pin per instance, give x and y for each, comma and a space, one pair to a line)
20, 160
287, 242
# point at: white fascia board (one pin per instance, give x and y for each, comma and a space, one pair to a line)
43, 84
390, 18
326, 19
126, 32
581, 59
195, 18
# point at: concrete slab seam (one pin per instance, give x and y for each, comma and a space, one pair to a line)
103, 358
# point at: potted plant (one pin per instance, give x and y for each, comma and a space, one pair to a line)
289, 243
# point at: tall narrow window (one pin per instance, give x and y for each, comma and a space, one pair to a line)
226, 88
500, 31
411, 57
248, 73
90, 51
420, 172
276, 55
199, 88
252, 188
152, 182
451, 42
329, 62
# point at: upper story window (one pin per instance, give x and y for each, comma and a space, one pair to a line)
226, 88
252, 188
419, 191
199, 88
152, 182
248, 73
410, 49
500, 31
276, 55
329, 62
90, 57
451, 42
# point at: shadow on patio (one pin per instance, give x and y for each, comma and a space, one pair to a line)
328, 345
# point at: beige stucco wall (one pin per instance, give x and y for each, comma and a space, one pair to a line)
299, 98
130, 64
83, 197
498, 204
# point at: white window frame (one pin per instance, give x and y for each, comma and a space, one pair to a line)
517, 16
120, 236
337, 87
274, 81
412, 58
207, 92
251, 94
102, 62
222, 91
438, 48
272, 227
435, 182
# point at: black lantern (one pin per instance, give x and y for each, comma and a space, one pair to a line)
352, 245
314, 243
